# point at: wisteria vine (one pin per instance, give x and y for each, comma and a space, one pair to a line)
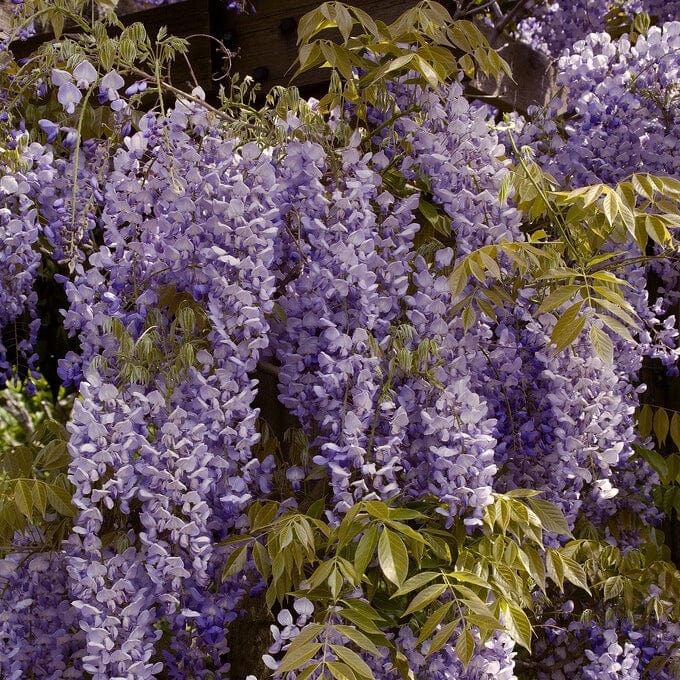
191, 261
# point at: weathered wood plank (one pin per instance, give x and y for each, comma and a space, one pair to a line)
264, 47
5, 16
267, 47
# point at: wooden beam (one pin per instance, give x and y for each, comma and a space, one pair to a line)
264, 46
532, 84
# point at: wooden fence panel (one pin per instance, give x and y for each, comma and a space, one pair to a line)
264, 47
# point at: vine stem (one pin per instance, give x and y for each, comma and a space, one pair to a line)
193, 98
76, 160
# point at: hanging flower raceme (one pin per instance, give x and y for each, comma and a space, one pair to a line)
352, 247
554, 27
165, 430
38, 627
20, 231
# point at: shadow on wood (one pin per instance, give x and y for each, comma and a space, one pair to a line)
264, 46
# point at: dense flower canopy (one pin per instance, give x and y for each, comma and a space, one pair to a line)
188, 258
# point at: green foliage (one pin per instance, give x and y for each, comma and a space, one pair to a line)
621, 581
34, 489
424, 42
569, 257
175, 331
664, 426
384, 565
618, 22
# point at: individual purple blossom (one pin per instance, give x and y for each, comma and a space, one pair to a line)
108, 90
68, 96
136, 87
85, 74
50, 128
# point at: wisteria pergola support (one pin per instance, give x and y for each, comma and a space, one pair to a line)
264, 46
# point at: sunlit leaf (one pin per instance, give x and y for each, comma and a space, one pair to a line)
392, 557
442, 637
353, 660
574, 573
425, 597
357, 637
568, 327
417, 581
465, 647
297, 655
340, 671
557, 298
434, 620
552, 518
602, 344
555, 567
366, 549
23, 498
517, 624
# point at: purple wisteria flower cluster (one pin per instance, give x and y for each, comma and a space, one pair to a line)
20, 262
621, 117
38, 626
177, 455
554, 27
621, 109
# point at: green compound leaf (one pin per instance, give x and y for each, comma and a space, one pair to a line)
417, 581
568, 327
661, 425
433, 621
602, 344
645, 418
551, 516
575, 573
555, 567
353, 660
517, 624
60, 500
425, 597
39, 495
340, 671
365, 549
465, 647
392, 557
297, 655
557, 298
357, 637
442, 637
23, 498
